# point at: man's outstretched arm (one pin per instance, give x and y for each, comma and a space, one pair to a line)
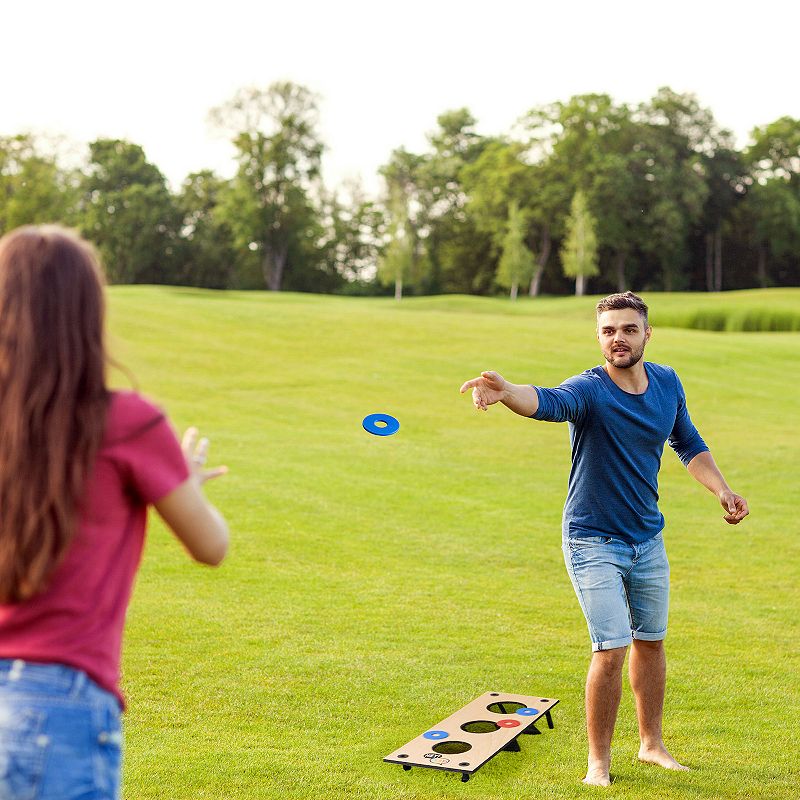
491, 387
704, 470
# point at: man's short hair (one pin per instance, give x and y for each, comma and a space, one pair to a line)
623, 300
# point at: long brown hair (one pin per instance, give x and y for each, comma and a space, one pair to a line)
53, 398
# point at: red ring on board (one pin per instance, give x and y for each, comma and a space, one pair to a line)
508, 723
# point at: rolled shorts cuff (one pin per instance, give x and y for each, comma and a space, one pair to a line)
611, 644
650, 637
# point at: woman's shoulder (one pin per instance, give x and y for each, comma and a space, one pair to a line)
129, 415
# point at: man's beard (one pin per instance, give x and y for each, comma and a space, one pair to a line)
629, 359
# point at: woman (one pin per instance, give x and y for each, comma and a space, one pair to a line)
79, 464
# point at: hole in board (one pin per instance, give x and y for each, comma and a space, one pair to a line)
544, 700
494, 694
463, 763
504, 708
480, 726
448, 748
402, 755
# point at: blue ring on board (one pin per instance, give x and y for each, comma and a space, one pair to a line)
391, 424
435, 735
527, 712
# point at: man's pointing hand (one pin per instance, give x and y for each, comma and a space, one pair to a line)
486, 390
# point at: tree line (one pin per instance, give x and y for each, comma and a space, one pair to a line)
584, 193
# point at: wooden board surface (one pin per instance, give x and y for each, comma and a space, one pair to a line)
434, 747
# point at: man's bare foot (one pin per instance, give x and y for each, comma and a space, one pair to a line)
597, 774
661, 757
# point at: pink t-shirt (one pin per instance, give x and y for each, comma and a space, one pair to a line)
78, 619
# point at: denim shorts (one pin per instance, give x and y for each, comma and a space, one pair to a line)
60, 734
623, 588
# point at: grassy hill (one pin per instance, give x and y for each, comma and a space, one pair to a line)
375, 585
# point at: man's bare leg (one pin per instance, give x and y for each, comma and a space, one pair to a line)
647, 668
603, 692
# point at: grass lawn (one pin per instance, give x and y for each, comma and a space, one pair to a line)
375, 585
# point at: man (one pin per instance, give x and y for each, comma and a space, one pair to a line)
620, 414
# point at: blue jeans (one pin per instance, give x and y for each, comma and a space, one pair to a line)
60, 734
623, 588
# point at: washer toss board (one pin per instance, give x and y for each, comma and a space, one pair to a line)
466, 740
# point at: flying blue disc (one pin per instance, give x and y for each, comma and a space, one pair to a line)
390, 426
435, 735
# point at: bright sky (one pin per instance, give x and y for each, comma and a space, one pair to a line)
150, 71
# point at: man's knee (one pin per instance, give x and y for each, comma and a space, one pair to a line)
609, 661
646, 646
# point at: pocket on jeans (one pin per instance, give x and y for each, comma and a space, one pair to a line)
23, 747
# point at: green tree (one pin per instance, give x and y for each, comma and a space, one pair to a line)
501, 176
583, 143
207, 256
646, 174
402, 260
128, 212
398, 260
517, 262
355, 227
579, 250
775, 150
676, 137
773, 200
455, 250
33, 188
774, 210
725, 177
709, 178
269, 206
616, 191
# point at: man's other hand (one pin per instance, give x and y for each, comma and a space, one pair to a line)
735, 507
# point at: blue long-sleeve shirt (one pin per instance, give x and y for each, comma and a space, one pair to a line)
617, 441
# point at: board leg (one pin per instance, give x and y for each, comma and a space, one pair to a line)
406, 767
549, 717
532, 729
464, 777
